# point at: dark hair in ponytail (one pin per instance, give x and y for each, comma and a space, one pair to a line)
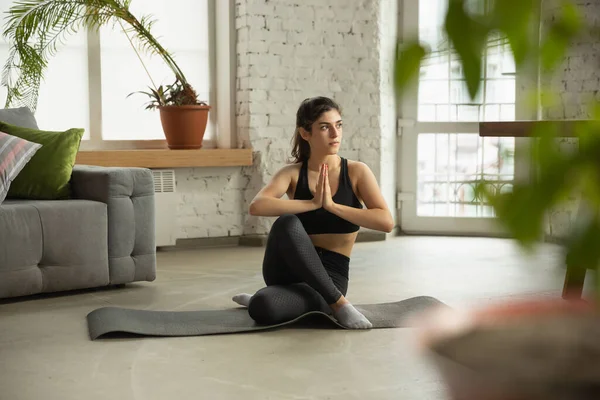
308, 113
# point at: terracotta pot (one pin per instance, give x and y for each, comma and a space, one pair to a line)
521, 350
184, 126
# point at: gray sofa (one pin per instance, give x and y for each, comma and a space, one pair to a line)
103, 236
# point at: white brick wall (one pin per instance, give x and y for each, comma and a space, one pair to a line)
288, 50
209, 202
576, 81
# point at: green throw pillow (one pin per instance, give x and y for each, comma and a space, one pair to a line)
47, 175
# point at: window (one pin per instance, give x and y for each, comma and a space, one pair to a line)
184, 34
63, 97
451, 155
88, 81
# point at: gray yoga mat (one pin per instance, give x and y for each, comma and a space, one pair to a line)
235, 320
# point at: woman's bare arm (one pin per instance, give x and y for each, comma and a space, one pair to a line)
269, 203
377, 215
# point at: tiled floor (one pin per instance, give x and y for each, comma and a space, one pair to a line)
45, 352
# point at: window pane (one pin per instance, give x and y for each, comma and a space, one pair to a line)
441, 81
435, 67
500, 62
433, 92
427, 113
507, 112
501, 91
450, 165
492, 112
431, 14
63, 96
468, 113
442, 113
185, 35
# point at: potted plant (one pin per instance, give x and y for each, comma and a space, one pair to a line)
541, 348
35, 28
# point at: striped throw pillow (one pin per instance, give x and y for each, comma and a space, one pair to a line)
15, 153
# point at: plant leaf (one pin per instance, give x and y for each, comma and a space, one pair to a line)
36, 28
514, 18
582, 248
469, 46
522, 211
141, 92
408, 63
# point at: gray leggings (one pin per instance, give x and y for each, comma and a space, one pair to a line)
300, 277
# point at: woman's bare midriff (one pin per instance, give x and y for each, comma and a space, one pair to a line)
338, 242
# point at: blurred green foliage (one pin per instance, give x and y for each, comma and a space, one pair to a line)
558, 175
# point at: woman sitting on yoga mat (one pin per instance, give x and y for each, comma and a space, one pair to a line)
307, 256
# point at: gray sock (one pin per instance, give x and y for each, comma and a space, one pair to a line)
243, 299
351, 318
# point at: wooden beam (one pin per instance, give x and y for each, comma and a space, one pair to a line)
567, 128
165, 158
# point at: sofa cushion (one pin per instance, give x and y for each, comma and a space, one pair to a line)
48, 246
20, 250
15, 153
20, 116
47, 175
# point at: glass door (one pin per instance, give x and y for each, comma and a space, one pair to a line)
442, 156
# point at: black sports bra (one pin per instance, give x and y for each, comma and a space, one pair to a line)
321, 220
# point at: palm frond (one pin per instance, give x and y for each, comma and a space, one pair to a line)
146, 42
34, 30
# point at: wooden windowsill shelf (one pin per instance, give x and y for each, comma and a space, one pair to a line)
523, 129
165, 158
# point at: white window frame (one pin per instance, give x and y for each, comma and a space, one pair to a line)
408, 129
222, 58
